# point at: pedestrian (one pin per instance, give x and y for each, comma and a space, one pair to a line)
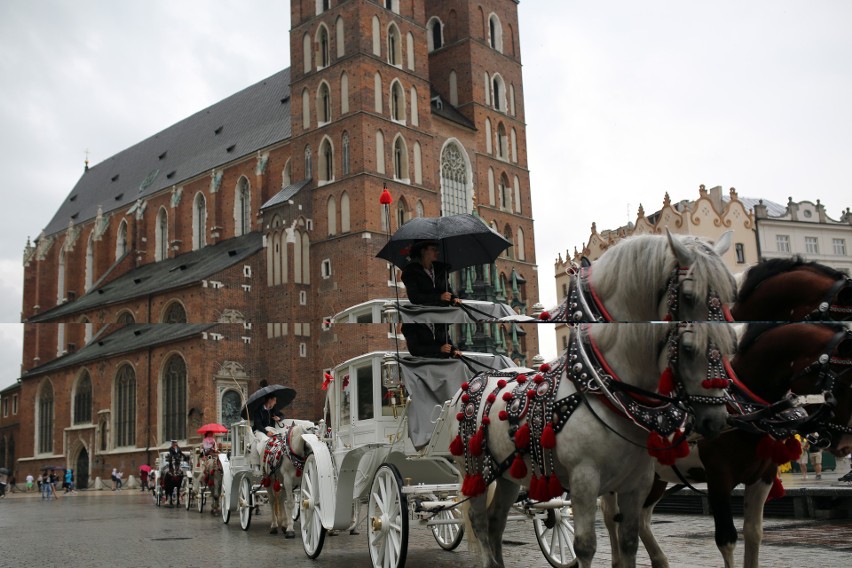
114, 477
69, 481
44, 485
803, 459
143, 478
2, 485
30, 480
118, 477
52, 484
815, 454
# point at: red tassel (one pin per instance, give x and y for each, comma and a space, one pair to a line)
794, 448
473, 485
465, 488
764, 447
548, 437
460, 416
518, 469
265, 482
503, 415
210, 483
475, 443
555, 486
682, 449
779, 453
298, 473
486, 420
457, 446
777, 490
715, 383
530, 393
522, 437
276, 486
533, 488
666, 385
385, 198
668, 317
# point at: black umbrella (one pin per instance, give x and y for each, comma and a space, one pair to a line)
4, 471
284, 396
465, 241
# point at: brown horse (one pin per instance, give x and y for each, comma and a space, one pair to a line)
771, 361
792, 289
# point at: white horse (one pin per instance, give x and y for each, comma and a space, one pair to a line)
211, 476
584, 445
282, 463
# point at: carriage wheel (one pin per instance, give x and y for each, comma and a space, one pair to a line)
225, 505
313, 533
155, 497
188, 492
387, 517
449, 535
297, 498
245, 505
159, 495
554, 531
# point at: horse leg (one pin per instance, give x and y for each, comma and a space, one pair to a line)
585, 487
726, 533
289, 503
275, 506
630, 509
609, 512
476, 518
754, 498
655, 553
504, 495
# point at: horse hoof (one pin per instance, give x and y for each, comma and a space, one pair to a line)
273, 530
354, 532
290, 534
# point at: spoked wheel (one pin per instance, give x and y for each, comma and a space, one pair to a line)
154, 495
448, 535
313, 533
387, 518
297, 498
554, 531
225, 505
245, 505
159, 495
188, 492
201, 498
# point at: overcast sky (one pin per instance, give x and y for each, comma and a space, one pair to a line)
625, 100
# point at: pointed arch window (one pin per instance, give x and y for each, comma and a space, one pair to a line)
495, 33
322, 47
339, 38
44, 406
232, 404
345, 145
121, 240
125, 406
400, 159
394, 46
286, 175
60, 277
199, 222
162, 237
309, 163
502, 142
323, 104
242, 208
397, 102
331, 209
83, 399
344, 93
345, 225
435, 36
522, 255
454, 181
175, 313
174, 399
90, 262
326, 161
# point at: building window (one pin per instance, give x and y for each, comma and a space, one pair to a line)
322, 47
325, 268
175, 313
324, 104
495, 33
45, 419
400, 159
454, 181
435, 34
502, 142
83, 400
162, 250
125, 406
839, 246
14, 404
394, 46
339, 38
125, 318
397, 102
242, 208
345, 224
740, 249
326, 158
331, 209
811, 245
5, 410
309, 167
782, 243
121, 240
345, 153
174, 399
199, 222
232, 404
90, 262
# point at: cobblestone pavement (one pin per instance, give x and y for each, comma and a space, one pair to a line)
118, 529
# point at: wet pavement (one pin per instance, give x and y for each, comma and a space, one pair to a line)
117, 529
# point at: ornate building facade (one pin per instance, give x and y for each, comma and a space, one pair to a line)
182, 272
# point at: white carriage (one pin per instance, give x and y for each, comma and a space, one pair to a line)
197, 492
241, 484
387, 446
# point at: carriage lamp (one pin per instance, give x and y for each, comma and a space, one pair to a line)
537, 309
390, 371
390, 313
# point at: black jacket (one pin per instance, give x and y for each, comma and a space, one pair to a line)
263, 419
419, 287
424, 340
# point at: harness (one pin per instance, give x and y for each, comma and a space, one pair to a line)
279, 447
829, 305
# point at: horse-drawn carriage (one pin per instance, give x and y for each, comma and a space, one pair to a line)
170, 480
205, 482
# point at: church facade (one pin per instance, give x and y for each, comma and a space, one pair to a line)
185, 271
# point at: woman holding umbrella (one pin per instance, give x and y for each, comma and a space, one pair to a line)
427, 283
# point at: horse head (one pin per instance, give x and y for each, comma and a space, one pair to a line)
792, 289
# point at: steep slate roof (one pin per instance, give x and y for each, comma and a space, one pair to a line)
448, 111
285, 194
157, 277
237, 126
127, 339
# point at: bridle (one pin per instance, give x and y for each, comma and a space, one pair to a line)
829, 305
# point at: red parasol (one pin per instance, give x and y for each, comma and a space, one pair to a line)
212, 427
144, 467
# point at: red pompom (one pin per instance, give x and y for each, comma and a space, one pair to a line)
385, 198
298, 472
518, 469
465, 398
532, 490
548, 437
464, 386
666, 385
457, 446
794, 448
668, 317
265, 482
501, 383
521, 379
477, 485
715, 383
554, 486
538, 379
507, 396
764, 447
530, 393
210, 483
460, 416
522, 436
491, 397
545, 367
486, 420
503, 415
777, 490
544, 316
276, 486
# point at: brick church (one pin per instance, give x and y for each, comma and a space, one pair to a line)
180, 273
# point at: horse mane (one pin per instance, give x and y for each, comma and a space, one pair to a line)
652, 261
762, 271
755, 330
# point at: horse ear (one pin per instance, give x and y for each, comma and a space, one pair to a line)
724, 243
683, 254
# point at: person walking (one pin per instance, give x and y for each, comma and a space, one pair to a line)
815, 454
118, 476
114, 477
45, 485
69, 481
30, 480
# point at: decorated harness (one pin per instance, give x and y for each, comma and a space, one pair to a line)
278, 448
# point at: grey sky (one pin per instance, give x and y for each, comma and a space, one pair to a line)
625, 100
